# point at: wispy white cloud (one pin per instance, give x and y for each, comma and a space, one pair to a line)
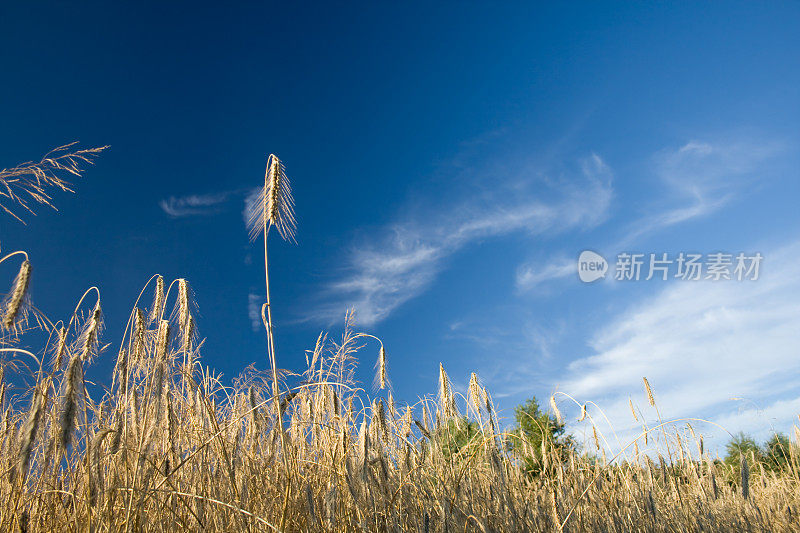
701, 178
698, 178
533, 274
700, 344
193, 205
403, 261
254, 302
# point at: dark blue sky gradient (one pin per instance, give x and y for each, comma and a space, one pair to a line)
382, 114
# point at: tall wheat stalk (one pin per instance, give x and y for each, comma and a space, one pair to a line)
274, 207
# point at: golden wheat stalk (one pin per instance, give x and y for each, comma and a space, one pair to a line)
273, 207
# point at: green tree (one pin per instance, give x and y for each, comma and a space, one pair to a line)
742, 446
458, 434
533, 428
776, 453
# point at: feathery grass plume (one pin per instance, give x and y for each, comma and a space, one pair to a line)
596, 439
185, 320
383, 427
70, 400
633, 411
158, 300
363, 449
650, 397
405, 423
121, 369
381, 376
119, 427
170, 422
61, 348
445, 394
474, 391
554, 407
28, 182
30, 428
89, 338
390, 407
139, 329
188, 334
274, 205
336, 403
183, 302
251, 398
14, 305
583, 413
162, 340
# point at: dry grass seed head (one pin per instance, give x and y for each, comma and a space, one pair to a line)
14, 305
89, 338
61, 349
650, 397
474, 391
70, 400
139, 330
30, 428
381, 377
274, 205
554, 407
633, 411
158, 300
28, 182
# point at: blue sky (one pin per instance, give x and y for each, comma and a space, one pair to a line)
449, 163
